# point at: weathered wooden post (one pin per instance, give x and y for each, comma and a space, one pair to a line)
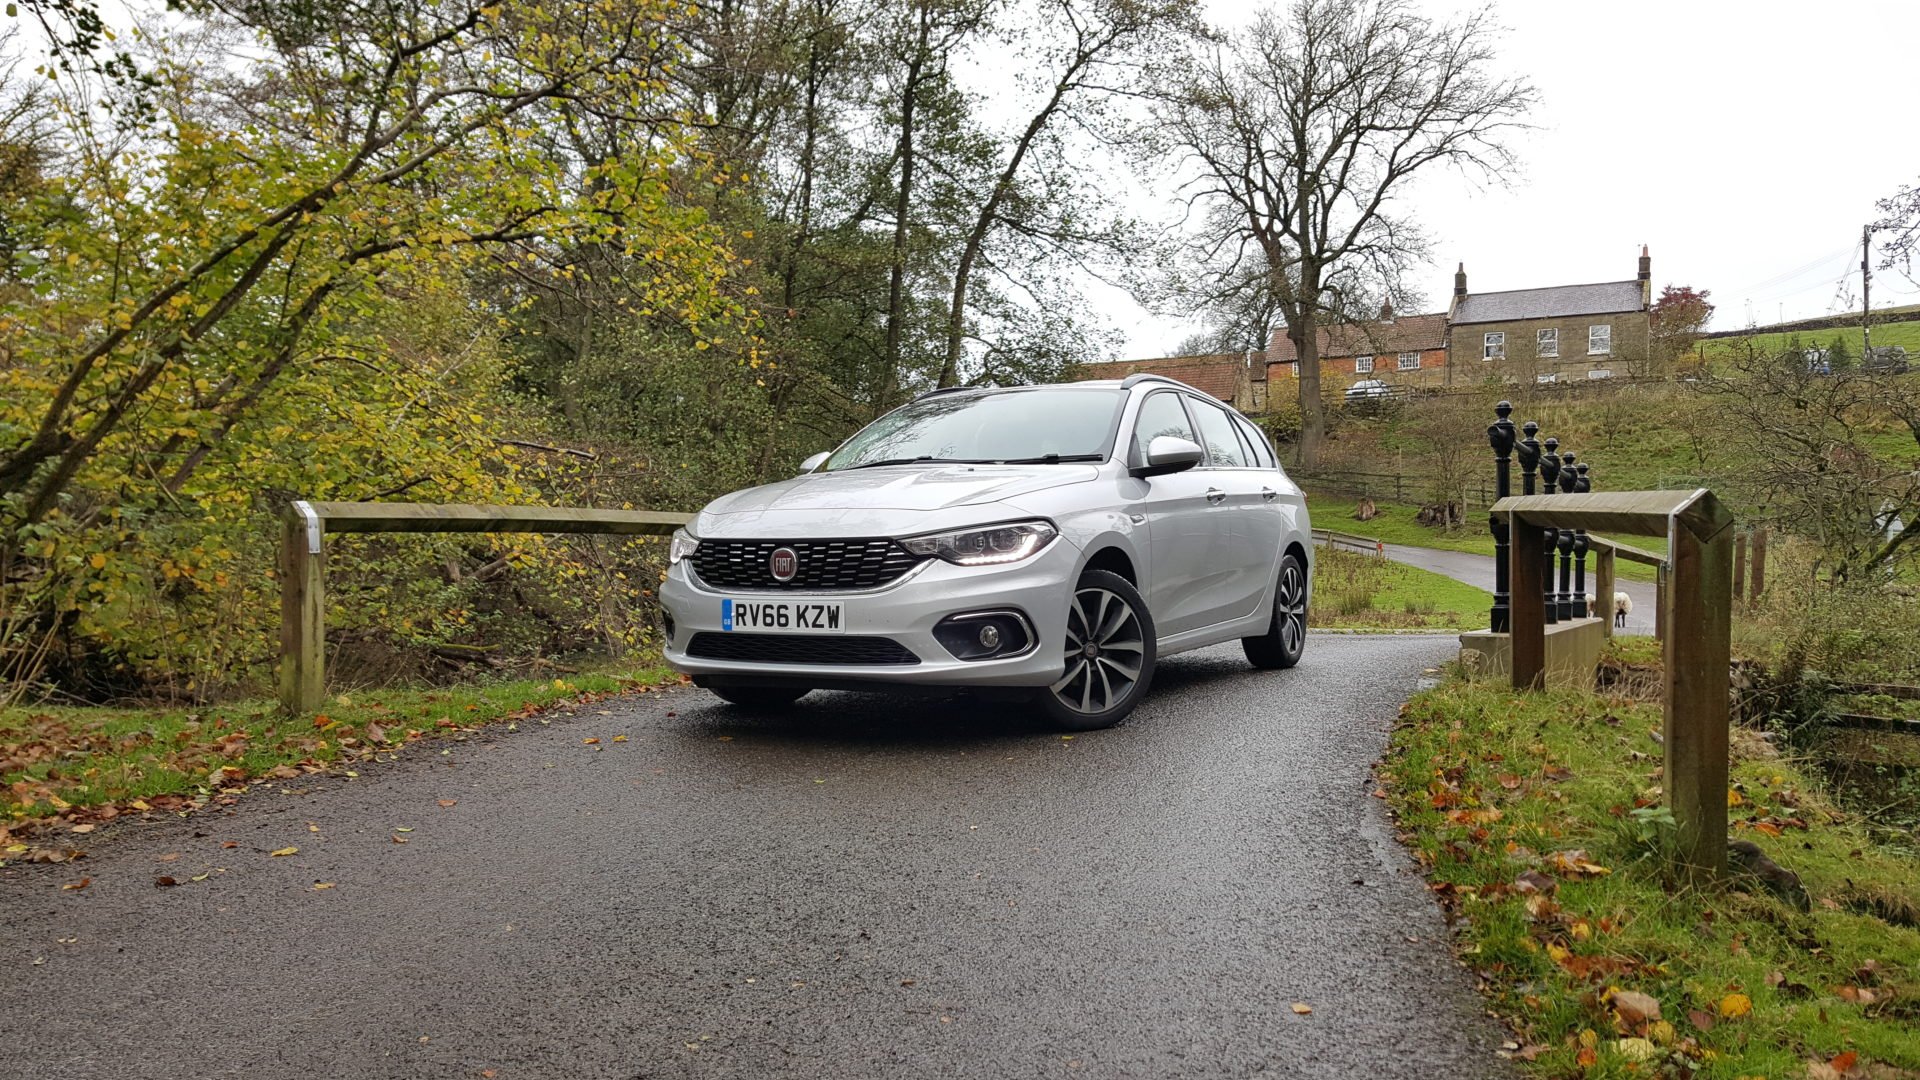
1697, 648
1757, 581
1528, 641
1563, 597
1549, 478
303, 606
1580, 546
1603, 587
1660, 598
1500, 436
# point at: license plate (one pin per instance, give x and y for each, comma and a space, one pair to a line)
783, 616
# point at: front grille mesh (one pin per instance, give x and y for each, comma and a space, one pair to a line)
799, 648
825, 565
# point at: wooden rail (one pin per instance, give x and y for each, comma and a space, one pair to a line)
1697, 615
303, 565
1364, 544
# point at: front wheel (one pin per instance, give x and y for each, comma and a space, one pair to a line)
1110, 655
1286, 636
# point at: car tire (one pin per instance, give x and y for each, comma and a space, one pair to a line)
1110, 655
1286, 636
760, 697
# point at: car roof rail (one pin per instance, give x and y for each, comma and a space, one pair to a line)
1139, 377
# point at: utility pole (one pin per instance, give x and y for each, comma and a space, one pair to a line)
1866, 308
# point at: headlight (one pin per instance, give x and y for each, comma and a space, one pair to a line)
681, 546
982, 547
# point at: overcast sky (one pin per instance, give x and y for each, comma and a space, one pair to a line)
1744, 142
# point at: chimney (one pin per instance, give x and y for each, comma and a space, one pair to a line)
1646, 264
1386, 312
1460, 281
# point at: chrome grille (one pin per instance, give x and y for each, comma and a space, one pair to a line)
825, 565
800, 648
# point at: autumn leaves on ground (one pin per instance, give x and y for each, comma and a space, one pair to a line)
68, 771
1538, 822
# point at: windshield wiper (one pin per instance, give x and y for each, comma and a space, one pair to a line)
1052, 459
924, 459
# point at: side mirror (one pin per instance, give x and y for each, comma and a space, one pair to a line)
1168, 454
812, 462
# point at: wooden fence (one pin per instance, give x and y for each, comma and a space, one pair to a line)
1696, 615
303, 563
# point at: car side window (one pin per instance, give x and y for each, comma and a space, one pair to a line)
1224, 450
1262, 453
1160, 414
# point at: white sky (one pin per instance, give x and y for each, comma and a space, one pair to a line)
1744, 142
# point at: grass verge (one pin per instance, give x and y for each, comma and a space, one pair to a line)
1395, 524
1352, 591
82, 766
1537, 820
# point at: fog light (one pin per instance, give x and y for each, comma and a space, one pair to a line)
985, 635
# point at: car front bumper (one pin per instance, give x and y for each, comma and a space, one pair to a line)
905, 611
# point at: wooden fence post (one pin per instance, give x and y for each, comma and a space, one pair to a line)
1528, 640
1697, 653
1660, 596
1603, 588
303, 606
1757, 580
1740, 567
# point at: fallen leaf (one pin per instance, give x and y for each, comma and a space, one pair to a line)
83, 828
231, 844
1637, 1049
318, 885
1587, 1057
448, 802
1857, 995
168, 857
1635, 1007
1301, 1008
1734, 1006
376, 732
286, 851
619, 738
1533, 881
1844, 1063
398, 839
590, 742
1700, 1018
1509, 781
164, 882
78, 885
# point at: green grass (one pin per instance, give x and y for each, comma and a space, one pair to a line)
1904, 334
1395, 524
1352, 591
1489, 786
88, 763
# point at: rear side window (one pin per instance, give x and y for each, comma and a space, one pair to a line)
1217, 435
1262, 453
1160, 414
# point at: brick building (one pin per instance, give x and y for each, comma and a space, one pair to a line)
1402, 349
1555, 333
1227, 376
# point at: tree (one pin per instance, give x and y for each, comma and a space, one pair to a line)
1900, 221
1299, 134
1677, 319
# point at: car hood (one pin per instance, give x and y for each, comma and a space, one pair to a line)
879, 501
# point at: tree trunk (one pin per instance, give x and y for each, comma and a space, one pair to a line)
1305, 333
902, 208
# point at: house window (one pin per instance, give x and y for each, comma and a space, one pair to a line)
1409, 361
1294, 368
1600, 373
1599, 339
1494, 346
1363, 365
1547, 342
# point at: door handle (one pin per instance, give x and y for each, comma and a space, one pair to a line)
1269, 494
1216, 496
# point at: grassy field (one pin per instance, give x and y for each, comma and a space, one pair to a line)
1395, 524
1538, 820
1904, 334
1352, 591
79, 766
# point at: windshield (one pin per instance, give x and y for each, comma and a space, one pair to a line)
1003, 426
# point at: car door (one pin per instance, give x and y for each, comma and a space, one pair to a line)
1272, 516
1182, 540
1239, 577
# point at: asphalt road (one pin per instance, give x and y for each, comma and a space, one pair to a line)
1477, 570
868, 887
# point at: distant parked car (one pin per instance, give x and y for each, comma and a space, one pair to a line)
1368, 388
1886, 360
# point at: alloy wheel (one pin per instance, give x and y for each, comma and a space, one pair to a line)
1291, 606
1105, 650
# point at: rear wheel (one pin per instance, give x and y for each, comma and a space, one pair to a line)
759, 697
1286, 636
1109, 653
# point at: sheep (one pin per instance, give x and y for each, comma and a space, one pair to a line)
1622, 605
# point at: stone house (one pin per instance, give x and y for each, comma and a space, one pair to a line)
1550, 334
1396, 349
1227, 376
